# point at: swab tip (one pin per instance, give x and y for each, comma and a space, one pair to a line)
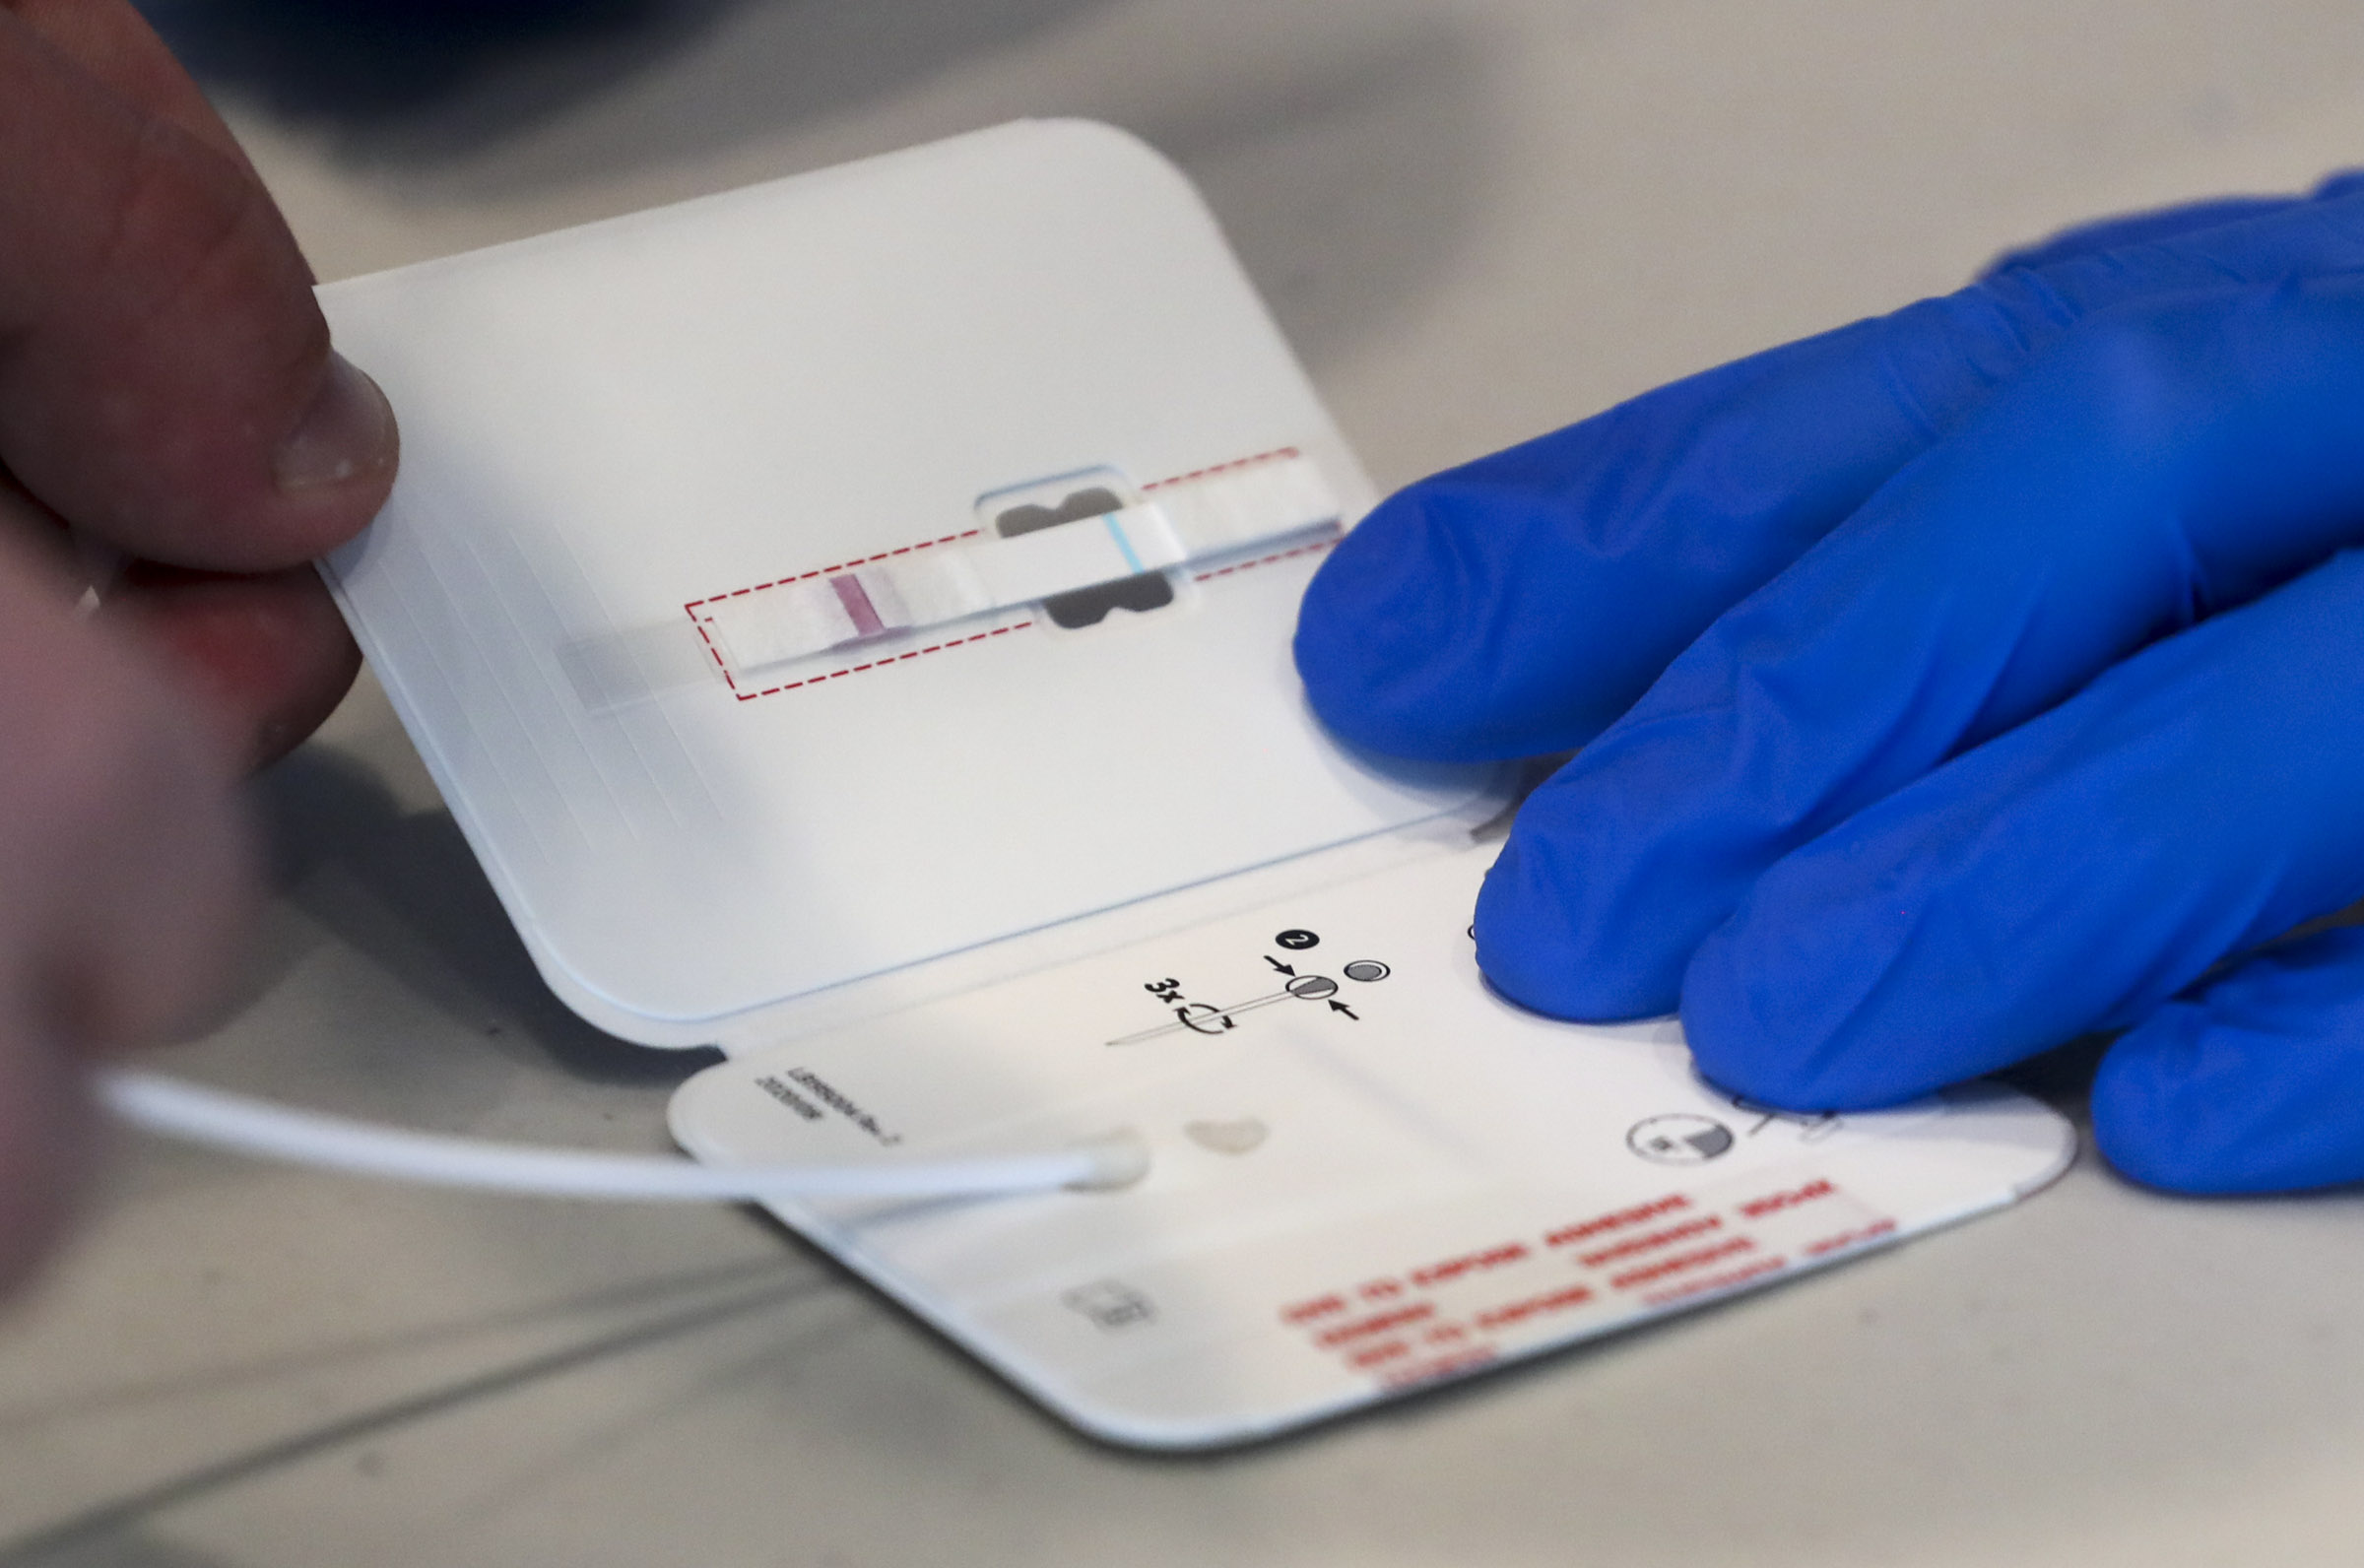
1119, 1159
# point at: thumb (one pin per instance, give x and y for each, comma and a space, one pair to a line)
165, 377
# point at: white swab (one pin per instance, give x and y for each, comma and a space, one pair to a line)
236, 1122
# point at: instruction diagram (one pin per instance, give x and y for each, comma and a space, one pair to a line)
1208, 1018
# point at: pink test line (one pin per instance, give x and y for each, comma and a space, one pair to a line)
856, 600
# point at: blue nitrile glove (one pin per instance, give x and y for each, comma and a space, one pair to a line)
1950, 685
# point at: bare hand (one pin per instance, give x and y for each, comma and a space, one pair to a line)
167, 393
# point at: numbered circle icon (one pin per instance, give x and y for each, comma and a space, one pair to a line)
1295, 940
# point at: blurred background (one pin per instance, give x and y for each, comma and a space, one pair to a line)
1477, 220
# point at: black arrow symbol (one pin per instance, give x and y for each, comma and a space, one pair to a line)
1340, 1006
1278, 964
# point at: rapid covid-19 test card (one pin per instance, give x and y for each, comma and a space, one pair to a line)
849, 619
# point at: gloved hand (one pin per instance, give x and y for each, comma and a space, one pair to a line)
1949, 686
167, 389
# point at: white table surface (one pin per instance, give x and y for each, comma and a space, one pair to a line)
1476, 221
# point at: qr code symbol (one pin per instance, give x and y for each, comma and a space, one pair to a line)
1111, 1304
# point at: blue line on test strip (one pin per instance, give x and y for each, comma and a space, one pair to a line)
1116, 531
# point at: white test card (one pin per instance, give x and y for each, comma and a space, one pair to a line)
1368, 1173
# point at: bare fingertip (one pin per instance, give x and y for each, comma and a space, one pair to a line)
346, 436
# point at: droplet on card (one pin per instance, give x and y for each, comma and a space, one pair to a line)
1227, 1138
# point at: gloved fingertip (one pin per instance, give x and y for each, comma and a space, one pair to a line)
2141, 1122
1534, 952
1755, 1031
2333, 186
1371, 626
1788, 1002
2172, 1110
2254, 1085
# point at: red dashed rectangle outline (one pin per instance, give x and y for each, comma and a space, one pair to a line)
1250, 461
1265, 561
744, 695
